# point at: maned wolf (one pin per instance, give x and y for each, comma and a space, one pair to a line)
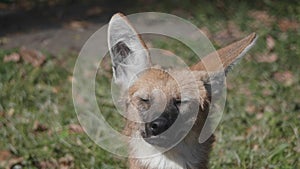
146, 87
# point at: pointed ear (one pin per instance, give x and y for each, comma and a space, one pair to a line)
229, 55
127, 50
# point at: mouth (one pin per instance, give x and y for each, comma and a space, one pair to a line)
158, 140
164, 140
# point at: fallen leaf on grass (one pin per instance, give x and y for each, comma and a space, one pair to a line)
34, 57
259, 116
47, 164
252, 131
5, 155
38, 127
286, 24
66, 162
234, 29
255, 147
286, 78
78, 25
55, 89
267, 92
262, 17
245, 91
14, 57
267, 58
228, 35
238, 138
268, 108
75, 128
8, 160
250, 108
270, 43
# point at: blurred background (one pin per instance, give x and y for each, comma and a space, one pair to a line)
39, 44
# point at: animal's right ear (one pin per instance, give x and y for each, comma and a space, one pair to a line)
127, 50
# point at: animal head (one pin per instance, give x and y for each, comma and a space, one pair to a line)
156, 98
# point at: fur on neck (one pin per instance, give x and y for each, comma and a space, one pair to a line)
188, 154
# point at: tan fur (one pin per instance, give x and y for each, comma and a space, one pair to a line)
188, 153
158, 79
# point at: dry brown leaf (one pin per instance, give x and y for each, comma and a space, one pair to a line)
228, 35
267, 92
252, 130
66, 162
14, 57
286, 24
234, 30
245, 91
238, 138
46, 164
75, 128
262, 17
78, 25
7, 160
267, 58
255, 147
34, 57
270, 43
259, 116
10, 112
268, 108
55, 89
38, 127
250, 108
286, 78
5, 155
297, 148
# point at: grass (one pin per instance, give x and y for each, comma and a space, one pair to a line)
260, 124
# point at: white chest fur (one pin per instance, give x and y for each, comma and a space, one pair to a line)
182, 156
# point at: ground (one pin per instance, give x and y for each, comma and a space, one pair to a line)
260, 124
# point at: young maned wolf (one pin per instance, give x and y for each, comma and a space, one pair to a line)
146, 87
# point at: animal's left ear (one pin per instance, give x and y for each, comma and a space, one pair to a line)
228, 56
127, 50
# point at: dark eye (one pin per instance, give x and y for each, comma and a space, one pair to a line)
177, 102
146, 100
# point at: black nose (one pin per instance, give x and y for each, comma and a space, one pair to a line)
157, 126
